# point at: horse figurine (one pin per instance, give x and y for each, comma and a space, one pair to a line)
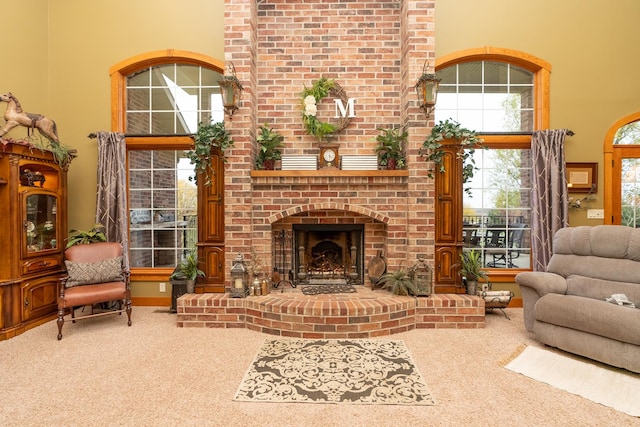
15, 116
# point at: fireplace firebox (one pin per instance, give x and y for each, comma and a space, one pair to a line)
328, 253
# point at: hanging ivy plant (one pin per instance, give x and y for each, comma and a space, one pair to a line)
208, 137
467, 142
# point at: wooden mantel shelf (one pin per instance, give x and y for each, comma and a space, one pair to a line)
329, 173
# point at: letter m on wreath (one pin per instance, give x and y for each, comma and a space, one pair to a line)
341, 110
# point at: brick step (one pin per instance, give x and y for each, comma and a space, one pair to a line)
364, 314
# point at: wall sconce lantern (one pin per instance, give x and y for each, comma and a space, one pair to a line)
239, 278
231, 91
427, 90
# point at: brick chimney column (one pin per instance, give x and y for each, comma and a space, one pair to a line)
418, 46
240, 18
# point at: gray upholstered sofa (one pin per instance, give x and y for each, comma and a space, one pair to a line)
565, 306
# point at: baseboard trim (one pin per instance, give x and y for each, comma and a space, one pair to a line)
516, 303
151, 301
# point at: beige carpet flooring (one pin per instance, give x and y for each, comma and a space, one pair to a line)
153, 373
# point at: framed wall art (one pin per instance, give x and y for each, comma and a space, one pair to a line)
582, 177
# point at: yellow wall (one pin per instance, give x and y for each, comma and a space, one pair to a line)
590, 46
56, 56
56, 60
24, 63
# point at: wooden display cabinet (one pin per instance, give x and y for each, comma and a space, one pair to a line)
33, 207
448, 230
211, 227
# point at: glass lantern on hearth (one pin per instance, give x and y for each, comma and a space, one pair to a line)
422, 276
239, 278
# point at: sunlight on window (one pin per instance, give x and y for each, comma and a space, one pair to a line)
495, 112
172, 99
493, 97
628, 134
163, 207
186, 104
496, 208
486, 97
163, 101
631, 192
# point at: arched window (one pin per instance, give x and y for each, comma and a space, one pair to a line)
158, 100
503, 95
622, 172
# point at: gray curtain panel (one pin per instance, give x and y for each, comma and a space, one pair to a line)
549, 194
111, 204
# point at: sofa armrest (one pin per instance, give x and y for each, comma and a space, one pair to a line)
535, 284
542, 282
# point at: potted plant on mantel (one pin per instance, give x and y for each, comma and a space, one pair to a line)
188, 270
208, 137
269, 145
390, 148
471, 270
466, 142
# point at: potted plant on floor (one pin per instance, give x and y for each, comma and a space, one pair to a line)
207, 138
269, 145
399, 282
471, 270
390, 148
188, 270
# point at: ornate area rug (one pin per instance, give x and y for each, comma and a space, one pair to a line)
616, 388
334, 371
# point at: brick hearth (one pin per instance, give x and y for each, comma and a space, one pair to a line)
362, 315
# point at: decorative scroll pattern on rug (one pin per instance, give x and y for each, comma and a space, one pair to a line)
334, 371
328, 289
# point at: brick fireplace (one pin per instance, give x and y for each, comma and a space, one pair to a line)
376, 51
379, 228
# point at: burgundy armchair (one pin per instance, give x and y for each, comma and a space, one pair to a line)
95, 275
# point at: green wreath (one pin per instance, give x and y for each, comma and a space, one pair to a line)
320, 89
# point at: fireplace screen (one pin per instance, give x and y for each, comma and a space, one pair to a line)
328, 253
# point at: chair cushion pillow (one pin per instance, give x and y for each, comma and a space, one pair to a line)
87, 273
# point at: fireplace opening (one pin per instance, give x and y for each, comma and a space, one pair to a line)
328, 253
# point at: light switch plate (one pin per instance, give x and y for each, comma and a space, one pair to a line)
595, 213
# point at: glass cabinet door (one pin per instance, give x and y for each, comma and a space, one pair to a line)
40, 223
